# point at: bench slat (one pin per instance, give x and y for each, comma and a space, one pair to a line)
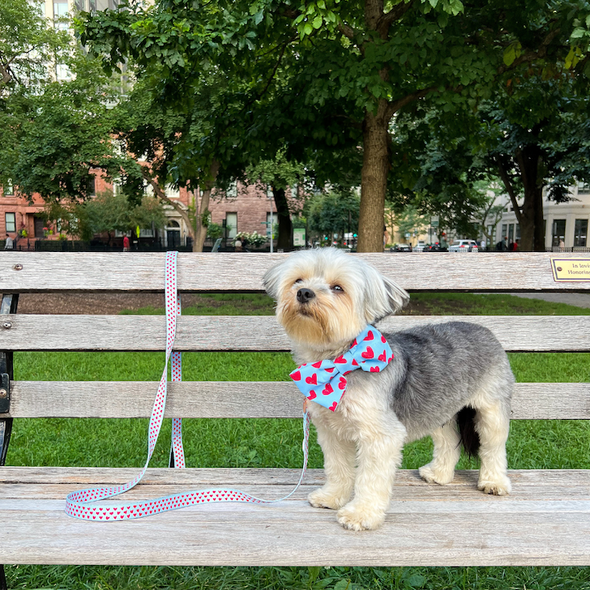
530, 527
228, 399
260, 333
139, 271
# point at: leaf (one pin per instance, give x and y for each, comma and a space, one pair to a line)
578, 33
314, 572
317, 22
415, 581
343, 585
512, 52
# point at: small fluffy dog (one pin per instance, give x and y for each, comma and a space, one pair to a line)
451, 381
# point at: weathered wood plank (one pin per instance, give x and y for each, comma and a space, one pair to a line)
468, 528
84, 271
259, 333
228, 399
250, 476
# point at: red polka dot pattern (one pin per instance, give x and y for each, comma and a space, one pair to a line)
79, 504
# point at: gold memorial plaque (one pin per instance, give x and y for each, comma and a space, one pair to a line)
571, 269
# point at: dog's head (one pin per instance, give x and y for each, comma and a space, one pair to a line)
326, 297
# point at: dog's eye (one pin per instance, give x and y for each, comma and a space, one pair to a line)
298, 281
337, 288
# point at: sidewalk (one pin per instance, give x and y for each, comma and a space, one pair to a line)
577, 299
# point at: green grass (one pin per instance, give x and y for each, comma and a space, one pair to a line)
276, 443
491, 304
216, 303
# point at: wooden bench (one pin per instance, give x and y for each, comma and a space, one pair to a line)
545, 521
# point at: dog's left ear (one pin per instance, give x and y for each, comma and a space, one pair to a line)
384, 297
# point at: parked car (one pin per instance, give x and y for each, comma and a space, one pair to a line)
401, 248
463, 246
435, 248
419, 247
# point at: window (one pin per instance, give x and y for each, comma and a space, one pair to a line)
10, 222
60, 12
511, 233
232, 190
558, 233
581, 232
584, 189
8, 189
231, 225
172, 192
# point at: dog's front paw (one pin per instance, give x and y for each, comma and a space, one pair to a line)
501, 487
357, 517
430, 475
323, 498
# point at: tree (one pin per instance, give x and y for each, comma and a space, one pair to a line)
106, 213
29, 44
535, 137
278, 175
335, 212
531, 137
367, 60
65, 133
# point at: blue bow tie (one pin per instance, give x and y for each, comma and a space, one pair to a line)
325, 382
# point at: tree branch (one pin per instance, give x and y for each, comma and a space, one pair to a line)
393, 15
509, 189
395, 106
347, 31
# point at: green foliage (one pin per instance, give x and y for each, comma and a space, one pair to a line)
311, 75
333, 212
28, 45
105, 213
214, 231
253, 239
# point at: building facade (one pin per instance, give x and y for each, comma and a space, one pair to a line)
566, 224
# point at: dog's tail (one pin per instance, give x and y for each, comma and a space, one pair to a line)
467, 432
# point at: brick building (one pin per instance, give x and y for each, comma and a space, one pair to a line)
243, 209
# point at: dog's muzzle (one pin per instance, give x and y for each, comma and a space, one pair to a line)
305, 295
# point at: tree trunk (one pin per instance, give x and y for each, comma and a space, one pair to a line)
531, 223
285, 238
373, 180
202, 209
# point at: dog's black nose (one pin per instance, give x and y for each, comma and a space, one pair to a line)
305, 295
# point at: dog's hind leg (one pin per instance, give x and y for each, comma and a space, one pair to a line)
339, 467
447, 451
492, 423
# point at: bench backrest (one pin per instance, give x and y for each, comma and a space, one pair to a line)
134, 272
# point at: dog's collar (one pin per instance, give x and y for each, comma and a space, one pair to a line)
324, 382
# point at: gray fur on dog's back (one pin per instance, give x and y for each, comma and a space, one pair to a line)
440, 368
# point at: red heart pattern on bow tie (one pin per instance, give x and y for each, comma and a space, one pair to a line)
369, 352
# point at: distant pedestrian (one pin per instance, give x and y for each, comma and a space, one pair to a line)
9, 244
125, 244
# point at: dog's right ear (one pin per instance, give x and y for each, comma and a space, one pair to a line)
271, 280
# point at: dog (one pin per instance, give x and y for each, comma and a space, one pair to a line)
451, 381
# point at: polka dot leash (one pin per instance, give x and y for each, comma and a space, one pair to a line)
82, 504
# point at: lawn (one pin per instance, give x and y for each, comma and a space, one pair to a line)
276, 443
